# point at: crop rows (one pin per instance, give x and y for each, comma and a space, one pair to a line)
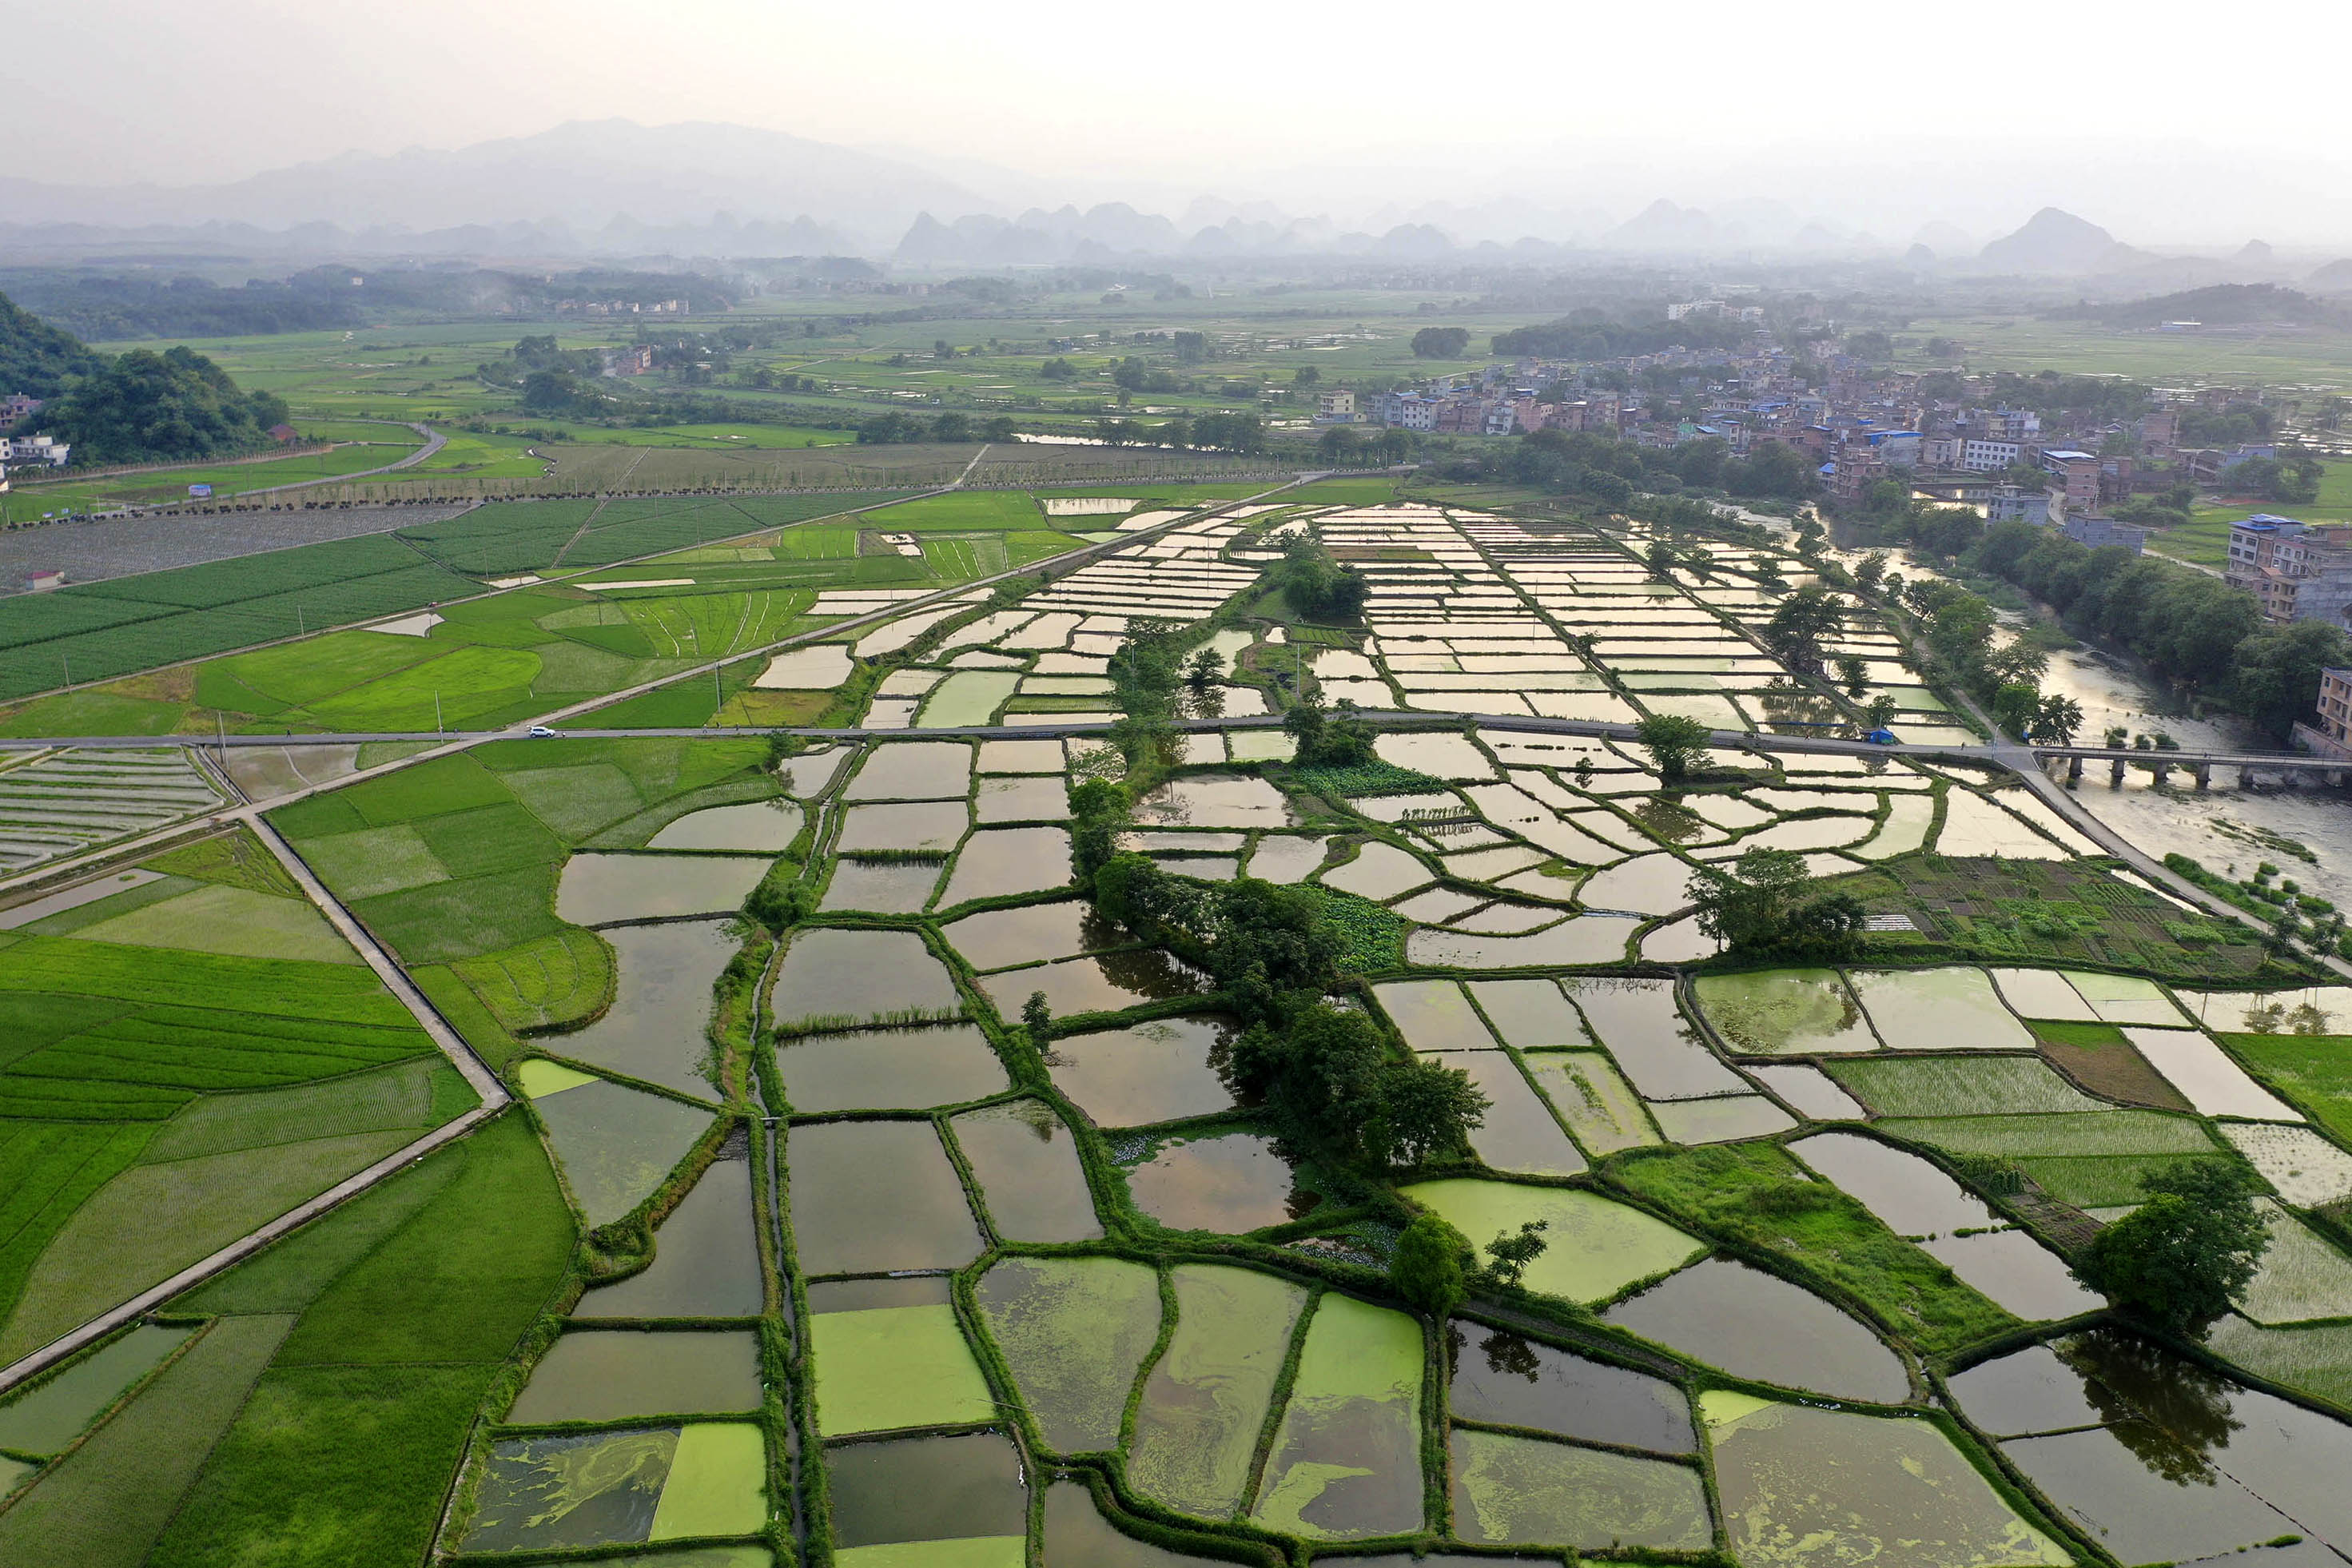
271, 987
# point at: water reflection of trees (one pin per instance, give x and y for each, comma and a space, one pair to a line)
2169, 1411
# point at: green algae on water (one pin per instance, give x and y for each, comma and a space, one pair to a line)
1205, 1402
1073, 1331
1595, 1248
1815, 1488
889, 1368
1347, 1457
1523, 1491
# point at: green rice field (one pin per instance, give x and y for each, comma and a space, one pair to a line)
873, 1182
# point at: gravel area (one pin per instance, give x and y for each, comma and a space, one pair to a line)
99, 548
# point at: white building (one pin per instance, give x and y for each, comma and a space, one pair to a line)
40, 449
1988, 456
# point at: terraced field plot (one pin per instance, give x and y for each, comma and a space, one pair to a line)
842, 1198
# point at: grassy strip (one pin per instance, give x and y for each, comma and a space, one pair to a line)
1755, 1193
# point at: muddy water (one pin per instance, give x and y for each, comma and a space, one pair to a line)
1511, 1381
1233, 1183
1026, 1162
1757, 1325
889, 1070
661, 994
1346, 1460
927, 1489
706, 1255
1165, 1070
875, 1198
619, 1374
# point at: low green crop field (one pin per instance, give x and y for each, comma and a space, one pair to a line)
385, 444
550, 983
2315, 1070
1758, 1192
2106, 1132
408, 1300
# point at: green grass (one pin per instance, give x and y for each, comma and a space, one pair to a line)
428, 789
46, 1171
2314, 1070
1959, 1086
443, 920
2106, 1132
411, 1298
154, 1220
1757, 1194
284, 988
552, 983
105, 1505
2096, 1183
234, 859
963, 509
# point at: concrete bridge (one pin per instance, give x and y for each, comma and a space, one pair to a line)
2199, 765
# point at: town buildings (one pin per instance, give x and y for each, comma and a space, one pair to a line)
2299, 571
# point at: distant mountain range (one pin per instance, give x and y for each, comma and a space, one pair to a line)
585, 175
616, 188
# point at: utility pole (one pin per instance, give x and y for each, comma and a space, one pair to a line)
436, 715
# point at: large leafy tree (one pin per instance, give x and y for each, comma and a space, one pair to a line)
2186, 1255
36, 357
1676, 742
147, 407
1800, 623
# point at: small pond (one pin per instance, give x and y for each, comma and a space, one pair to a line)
889, 1070
597, 888
1757, 1325
873, 1197
1233, 1182
1026, 1165
768, 825
1165, 1070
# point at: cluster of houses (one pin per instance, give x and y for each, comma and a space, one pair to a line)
27, 451
1855, 422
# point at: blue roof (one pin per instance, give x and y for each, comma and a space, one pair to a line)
2263, 523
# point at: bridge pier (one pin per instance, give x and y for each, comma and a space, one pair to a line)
2073, 770
2163, 770
2204, 773
2116, 773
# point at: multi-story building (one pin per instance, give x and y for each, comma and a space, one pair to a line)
1984, 456
2298, 572
2076, 476
2159, 431
16, 407
1335, 408
2332, 736
2011, 504
35, 450
1408, 411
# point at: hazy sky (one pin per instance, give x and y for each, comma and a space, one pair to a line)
2110, 108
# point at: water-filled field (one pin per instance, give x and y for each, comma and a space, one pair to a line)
870, 1182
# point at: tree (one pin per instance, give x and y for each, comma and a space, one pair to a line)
146, 406
1767, 900
2186, 1255
1662, 558
2016, 707
2055, 724
1853, 674
2275, 678
1881, 712
1305, 375
1426, 1109
1431, 1265
1439, 343
1037, 1017
1509, 1254
1799, 623
1336, 444
1675, 742
1201, 672
1058, 369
